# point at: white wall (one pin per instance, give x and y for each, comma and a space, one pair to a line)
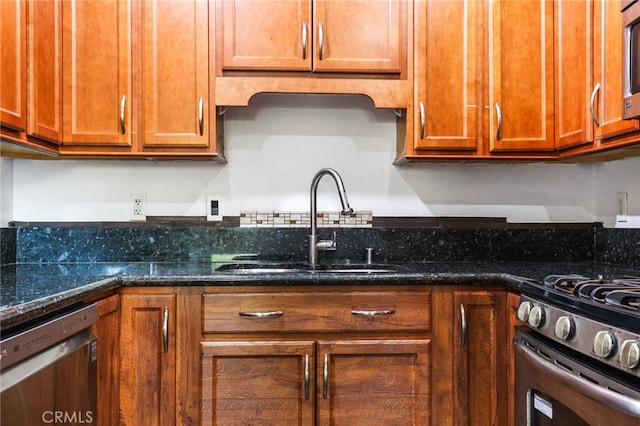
274, 148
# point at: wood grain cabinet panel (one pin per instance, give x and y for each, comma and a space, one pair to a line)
469, 357
520, 86
373, 382
13, 110
175, 55
107, 329
319, 35
303, 357
449, 85
97, 73
148, 359
44, 95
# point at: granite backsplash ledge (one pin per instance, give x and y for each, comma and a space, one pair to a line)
200, 243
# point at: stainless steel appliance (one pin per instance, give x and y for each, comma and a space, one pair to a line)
578, 352
48, 371
631, 58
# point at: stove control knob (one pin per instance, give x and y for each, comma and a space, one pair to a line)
630, 354
523, 311
536, 317
564, 328
604, 344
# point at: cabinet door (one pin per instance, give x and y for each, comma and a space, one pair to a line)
258, 382
147, 359
480, 367
513, 302
176, 73
607, 48
45, 70
448, 85
107, 329
383, 382
359, 35
266, 35
573, 72
13, 59
521, 103
97, 100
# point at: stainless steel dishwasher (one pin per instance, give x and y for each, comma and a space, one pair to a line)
48, 371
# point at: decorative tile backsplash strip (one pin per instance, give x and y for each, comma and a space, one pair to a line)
254, 219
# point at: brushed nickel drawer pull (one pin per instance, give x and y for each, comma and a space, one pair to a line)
123, 103
592, 106
423, 120
325, 376
258, 314
320, 40
307, 376
463, 326
499, 117
304, 39
200, 116
366, 313
165, 330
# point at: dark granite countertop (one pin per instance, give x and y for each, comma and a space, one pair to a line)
29, 290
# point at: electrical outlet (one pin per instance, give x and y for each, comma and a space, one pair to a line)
214, 208
622, 204
138, 206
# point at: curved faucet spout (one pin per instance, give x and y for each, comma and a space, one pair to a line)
314, 244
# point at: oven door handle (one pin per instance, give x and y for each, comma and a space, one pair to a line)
590, 390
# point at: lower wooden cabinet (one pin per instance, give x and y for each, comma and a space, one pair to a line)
148, 359
360, 355
334, 382
469, 359
107, 330
316, 357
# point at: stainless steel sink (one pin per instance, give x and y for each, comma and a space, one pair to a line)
301, 268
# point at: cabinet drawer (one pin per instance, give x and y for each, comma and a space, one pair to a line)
316, 311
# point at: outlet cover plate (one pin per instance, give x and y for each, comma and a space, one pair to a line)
214, 208
138, 207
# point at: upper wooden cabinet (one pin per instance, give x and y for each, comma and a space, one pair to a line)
321, 35
137, 79
175, 60
44, 95
98, 94
314, 46
487, 92
449, 76
588, 78
520, 83
13, 62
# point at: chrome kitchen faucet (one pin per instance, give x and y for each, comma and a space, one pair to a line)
315, 244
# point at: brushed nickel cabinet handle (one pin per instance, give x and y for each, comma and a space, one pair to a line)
304, 39
499, 116
261, 314
200, 115
123, 103
325, 377
365, 313
592, 106
422, 120
463, 326
320, 40
307, 376
165, 330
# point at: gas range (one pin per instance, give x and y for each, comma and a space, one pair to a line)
594, 316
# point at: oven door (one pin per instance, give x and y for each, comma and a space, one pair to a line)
56, 386
556, 388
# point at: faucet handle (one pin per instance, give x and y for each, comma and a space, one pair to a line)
328, 245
